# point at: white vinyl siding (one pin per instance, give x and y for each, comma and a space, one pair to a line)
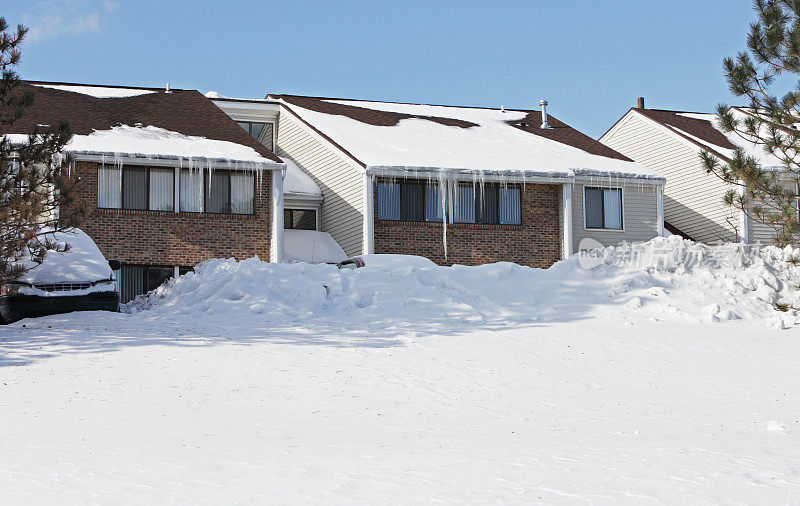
764, 234
692, 198
340, 179
639, 220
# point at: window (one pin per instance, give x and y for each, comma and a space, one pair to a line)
301, 219
162, 189
488, 204
109, 187
262, 132
139, 279
219, 192
224, 191
603, 208
409, 201
191, 191
136, 188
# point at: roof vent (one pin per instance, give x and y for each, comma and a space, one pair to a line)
167, 90
502, 108
546, 125
640, 103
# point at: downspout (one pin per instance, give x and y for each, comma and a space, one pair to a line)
277, 255
566, 199
660, 210
369, 214
744, 220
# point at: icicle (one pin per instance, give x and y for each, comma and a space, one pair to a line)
443, 200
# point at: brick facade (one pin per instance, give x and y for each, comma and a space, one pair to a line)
170, 238
536, 242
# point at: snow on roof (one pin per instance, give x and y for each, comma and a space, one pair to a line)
491, 145
157, 142
298, 182
311, 246
765, 159
98, 91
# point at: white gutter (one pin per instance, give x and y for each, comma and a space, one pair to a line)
743, 218
369, 214
660, 211
529, 176
566, 199
277, 255
172, 161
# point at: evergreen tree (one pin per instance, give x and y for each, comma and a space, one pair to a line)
768, 121
36, 193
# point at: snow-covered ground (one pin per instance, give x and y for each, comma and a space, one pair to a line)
648, 378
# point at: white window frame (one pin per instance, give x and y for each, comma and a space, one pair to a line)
621, 204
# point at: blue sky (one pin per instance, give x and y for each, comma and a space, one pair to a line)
589, 59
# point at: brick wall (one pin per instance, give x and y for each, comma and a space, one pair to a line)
536, 242
169, 238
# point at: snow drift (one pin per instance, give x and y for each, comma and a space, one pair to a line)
663, 279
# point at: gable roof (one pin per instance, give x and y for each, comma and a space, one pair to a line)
416, 137
701, 130
192, 124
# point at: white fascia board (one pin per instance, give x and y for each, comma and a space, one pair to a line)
256, 105
314, 133
615, 128
467, 174
616, 180
302, 199
174, 161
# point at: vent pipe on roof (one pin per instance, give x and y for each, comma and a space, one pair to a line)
640, 103
545, 124
167, 90
502, 108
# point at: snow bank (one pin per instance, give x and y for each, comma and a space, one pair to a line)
154, 141
665, 278
98, 91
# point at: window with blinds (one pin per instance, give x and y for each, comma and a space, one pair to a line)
488, 204
603, 208
409, 201
153, 188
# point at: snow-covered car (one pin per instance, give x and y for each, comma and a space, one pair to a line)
79, 279
385, 261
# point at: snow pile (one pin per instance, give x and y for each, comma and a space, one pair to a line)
82, 262
153, 141
311, 246
663, 279
98, 91
493, 145
297, 182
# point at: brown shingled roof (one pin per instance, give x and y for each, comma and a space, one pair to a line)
560, 131
184, 111
702, 129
